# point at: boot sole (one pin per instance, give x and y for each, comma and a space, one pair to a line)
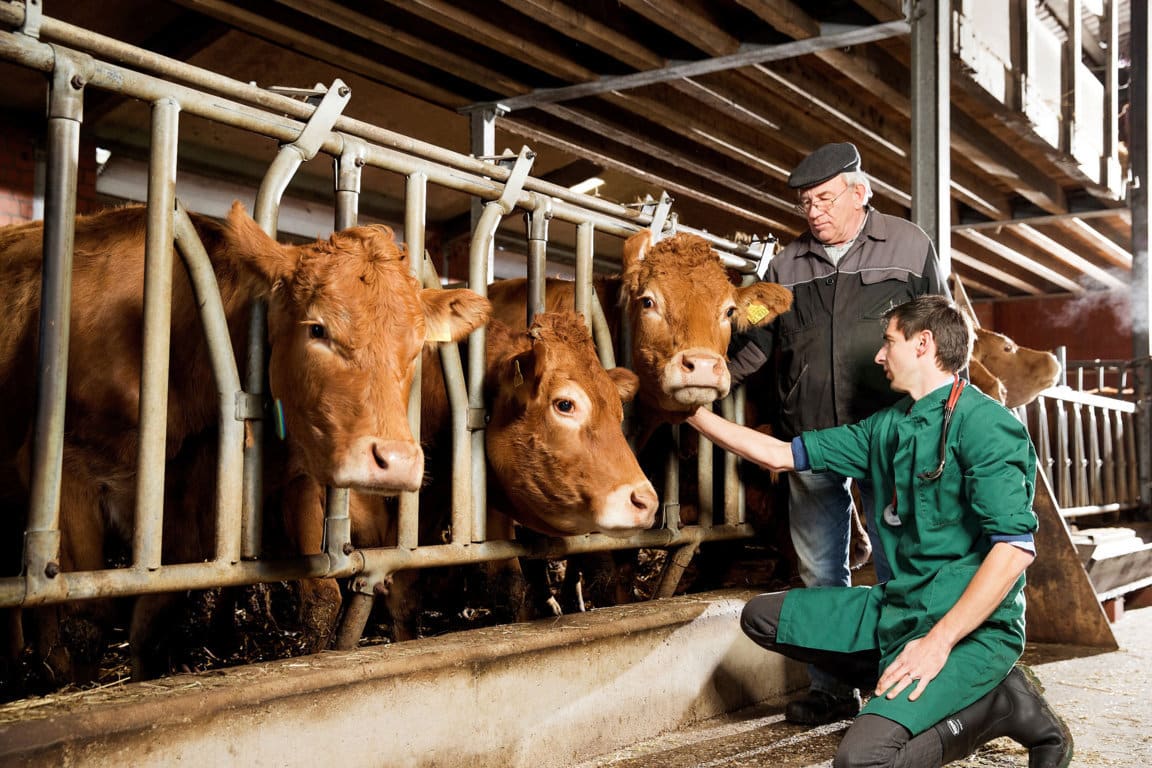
1034, 682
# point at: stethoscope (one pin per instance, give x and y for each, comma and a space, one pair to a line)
954, 395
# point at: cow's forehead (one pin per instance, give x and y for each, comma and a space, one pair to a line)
684, 268
358, 283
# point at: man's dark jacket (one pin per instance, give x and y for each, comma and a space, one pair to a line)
823, 350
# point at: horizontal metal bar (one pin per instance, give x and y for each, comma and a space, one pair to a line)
746, 57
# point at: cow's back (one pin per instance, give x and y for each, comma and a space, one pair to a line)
106, 330
510, 299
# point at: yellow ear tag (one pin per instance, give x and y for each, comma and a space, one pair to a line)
756, 313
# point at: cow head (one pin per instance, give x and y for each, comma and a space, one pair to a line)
1023, 372
346, 322
554, 439
683, 308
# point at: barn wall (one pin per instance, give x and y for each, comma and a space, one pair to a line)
543, 694
18, 156
1092, 326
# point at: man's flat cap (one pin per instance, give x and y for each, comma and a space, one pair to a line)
828, 161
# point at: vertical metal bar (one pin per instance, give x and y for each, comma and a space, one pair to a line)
583, 288
158, 261
1110, 36
735, 513
1063, 460
337, 525
415, 212
705, 481
1072, 52
230, 444
65, 113
672, 482
349, 165
931, 124
1140, 137
537, 219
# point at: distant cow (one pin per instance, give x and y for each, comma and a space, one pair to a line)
346, 321
1002, 366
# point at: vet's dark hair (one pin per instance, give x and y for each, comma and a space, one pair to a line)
951, 328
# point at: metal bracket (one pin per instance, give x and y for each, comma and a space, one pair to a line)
767, 251
249, 407
521, 165
658, 210
330, 103
33, 14
477, 419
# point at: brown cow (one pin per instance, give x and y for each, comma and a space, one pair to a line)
345, 323
1024, 373
557, 457
682, 309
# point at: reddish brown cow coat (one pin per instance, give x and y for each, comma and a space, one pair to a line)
1024, 373
554, 438
682, 308
346, 322
558, 460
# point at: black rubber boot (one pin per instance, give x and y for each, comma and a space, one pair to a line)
1016, 708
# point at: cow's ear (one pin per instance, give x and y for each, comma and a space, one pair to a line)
452, 314
636, 248
627, 383
761, 303
509, 358
255, 248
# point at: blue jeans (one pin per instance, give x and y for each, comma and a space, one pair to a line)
820, 518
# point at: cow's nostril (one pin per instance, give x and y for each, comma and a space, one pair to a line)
687, 364
644, 498
378, 455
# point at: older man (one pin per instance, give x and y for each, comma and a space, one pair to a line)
852, 265
940, 639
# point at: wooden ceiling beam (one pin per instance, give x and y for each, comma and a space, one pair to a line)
690, 22
1060, 252
305, 43
1105, 246
982, 268
654, 171
1018, 259
579, 26
368, 28
975, 285
491, 35
883, 10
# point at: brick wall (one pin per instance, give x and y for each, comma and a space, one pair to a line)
18, 145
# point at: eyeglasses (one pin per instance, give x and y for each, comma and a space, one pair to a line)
804, 206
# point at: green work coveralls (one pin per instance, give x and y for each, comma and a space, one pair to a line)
935, 541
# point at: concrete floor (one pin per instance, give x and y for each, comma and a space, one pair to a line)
1105, 698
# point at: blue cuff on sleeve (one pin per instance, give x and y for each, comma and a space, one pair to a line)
799, 455
1023, 540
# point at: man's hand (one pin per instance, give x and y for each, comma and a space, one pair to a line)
919, 663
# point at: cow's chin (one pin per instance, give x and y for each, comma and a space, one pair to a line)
689, 398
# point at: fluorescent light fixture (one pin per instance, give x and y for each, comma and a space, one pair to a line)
587, 186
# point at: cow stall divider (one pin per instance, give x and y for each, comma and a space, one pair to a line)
76, 60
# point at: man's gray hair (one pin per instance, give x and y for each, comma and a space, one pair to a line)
861, 178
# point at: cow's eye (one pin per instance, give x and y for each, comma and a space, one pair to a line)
730, 313
317, 331
647, 302
564, 405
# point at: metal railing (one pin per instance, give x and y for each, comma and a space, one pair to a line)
1087, 446
78, 60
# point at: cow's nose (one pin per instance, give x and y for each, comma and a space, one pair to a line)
645, 500
705, 363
